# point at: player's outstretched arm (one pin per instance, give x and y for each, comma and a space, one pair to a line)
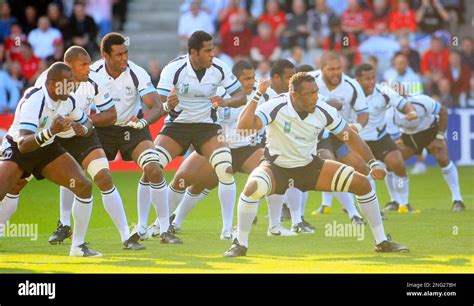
30, 141
105, 118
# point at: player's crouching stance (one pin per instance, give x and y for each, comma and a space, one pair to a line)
30, 148
293, 122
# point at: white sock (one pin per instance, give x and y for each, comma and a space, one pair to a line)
159, 198
143, 203
227, 194
401, 188
304, 200
294, 198
372, 183
327, 198
247, 211
389, 183
66, 198
204, 194
114, 207
370, 206
275, 204
174, 198
450, 174
188, 202
81, 212
347, 200
7, 208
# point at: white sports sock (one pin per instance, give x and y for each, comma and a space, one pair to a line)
294, 198
304, 200
247, 210
8, 206
159, 198
347, 200
114, 207
81, 212
275, 204
144, 202
66, 198
204, 193
370, 206
401, 188
450, 174
390, 188
187, 204
227, 194
174, 198
327, 198
372, 183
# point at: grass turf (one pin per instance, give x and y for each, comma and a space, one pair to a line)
441, 241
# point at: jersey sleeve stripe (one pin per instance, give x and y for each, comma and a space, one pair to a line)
233, 88
401, 104
339, 127
364, 110
82, 120
146, 91
163, 92
226, 88
27, 126
106, 105
437, 109
263, 118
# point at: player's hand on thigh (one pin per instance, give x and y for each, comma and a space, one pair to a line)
436, 145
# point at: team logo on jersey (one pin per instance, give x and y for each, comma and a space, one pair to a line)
183, 89
7, 154
128, 91
43, 122
106, 96
287, 127
227, 113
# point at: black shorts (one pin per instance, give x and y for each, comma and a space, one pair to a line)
195, 134
334, 145
303, 178
240, 155
422, 139
380, 148
80, 147
125, 139
32, 162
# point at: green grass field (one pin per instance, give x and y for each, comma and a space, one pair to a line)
441, 241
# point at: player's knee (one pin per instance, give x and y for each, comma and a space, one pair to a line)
398, 167
82, 187
149, 157
103, 180
98, 170
259, 184
360, 185
221, 161
442, 159
164, 156
153, 172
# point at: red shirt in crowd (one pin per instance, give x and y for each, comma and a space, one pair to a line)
274, 20
236, 43
379, 24
352, 19
13, 45
225, 24
334, 43
29, 67
462, 83
399, 21
435, 62
265, 47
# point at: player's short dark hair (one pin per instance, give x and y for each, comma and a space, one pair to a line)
329, 56
299, 78
72, 53
109, 40
197, 39
363, 68
240, 66
56, 70
279, 66
304, 68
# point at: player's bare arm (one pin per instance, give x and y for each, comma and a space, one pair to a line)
105, 118
440, 141
237, 99
30, 141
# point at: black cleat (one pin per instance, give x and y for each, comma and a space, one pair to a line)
384, 217
307, 224
300, 228
62, 232
285, 213
392, 205
458, 206
132, 243
356, 220
254, 221
173, 229
84, 251
236, 250
388, 246
169, 238
172, 217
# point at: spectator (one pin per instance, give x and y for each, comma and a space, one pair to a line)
456, 9
3, 56
354, 19
194, 20
30, 64
403, 19
296, 56
31, 19
83, 30
119, 11
467, 52
101, 11
222, 56
342, 42
236, 41
6, 20
444, 93
154, 69
233, 9
412, 55
378, 19
401, 73
274, 16
319, 20
45, 40
431, 16
14, 68
57, 19
296, 32
14, 41
265, 46
434, 63
263, 70
467, 99
9, 93
458, 75
338, 6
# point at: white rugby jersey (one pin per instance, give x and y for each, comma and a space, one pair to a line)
379, 101
194, 104
427, 110
348, 92
126, 90
93, 91
291, 141
228, 117
36, 111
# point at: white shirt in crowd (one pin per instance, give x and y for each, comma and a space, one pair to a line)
43, 42
188, 24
